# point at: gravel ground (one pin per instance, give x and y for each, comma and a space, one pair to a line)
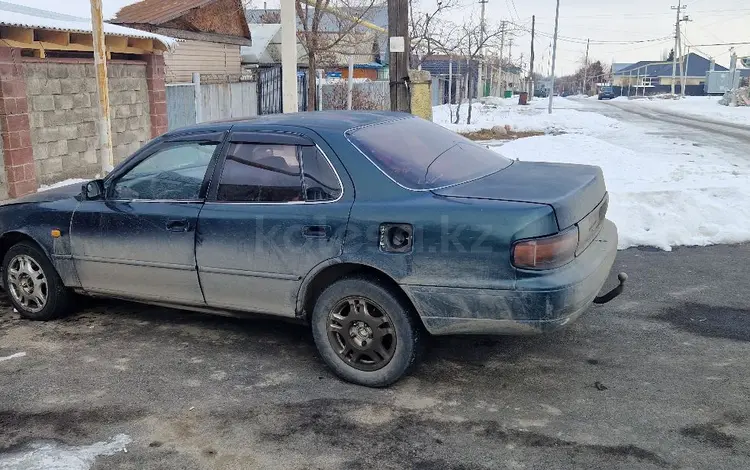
658, 378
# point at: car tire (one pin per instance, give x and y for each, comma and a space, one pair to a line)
27, 274
386, 314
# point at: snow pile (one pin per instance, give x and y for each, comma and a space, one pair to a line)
703, 107
740, 96
60, 184
665, 197
496, 111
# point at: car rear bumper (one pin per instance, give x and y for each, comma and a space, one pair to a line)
541, 301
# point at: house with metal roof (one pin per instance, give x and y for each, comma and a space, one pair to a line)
648, 77
210, 33
367, 40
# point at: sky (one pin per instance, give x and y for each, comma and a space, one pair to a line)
620, 31
606, 22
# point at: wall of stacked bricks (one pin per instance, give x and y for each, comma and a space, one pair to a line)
64, 112
18, 176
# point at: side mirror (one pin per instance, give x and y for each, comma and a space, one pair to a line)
93, 190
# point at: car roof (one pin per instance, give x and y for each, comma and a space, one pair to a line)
326, 121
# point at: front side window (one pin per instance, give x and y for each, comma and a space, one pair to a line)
172, 173
261, 173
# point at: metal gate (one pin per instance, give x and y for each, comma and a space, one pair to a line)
180, 105
269, 91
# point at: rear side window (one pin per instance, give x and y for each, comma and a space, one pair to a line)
418, 154
261, 173
320, 182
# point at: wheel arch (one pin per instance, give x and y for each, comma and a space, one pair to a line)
10, 238
331, 271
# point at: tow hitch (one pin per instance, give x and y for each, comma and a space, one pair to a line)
603, 299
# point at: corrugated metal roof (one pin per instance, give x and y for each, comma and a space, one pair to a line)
22, 16
156, 12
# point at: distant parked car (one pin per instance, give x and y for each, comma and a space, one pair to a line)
375, 228
606, 92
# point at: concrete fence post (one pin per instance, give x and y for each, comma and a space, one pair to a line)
420, 82
198, 97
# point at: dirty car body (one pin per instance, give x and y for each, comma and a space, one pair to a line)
261, 215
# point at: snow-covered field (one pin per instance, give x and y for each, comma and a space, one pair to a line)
698, 106
501, 111
664, 191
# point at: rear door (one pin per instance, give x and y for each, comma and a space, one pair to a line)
277, 208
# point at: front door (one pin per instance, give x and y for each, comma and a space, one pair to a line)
139, 241
278, 209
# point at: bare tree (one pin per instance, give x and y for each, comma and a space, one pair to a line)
429, 31
471, 43
331, 29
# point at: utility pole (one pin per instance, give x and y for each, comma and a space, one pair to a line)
683, 65
500, 66
398, 48
102, 85
289, 57
531, 61
586, 67
732, 74
554, 57
480, 78
510, 49
679, 9
685, 71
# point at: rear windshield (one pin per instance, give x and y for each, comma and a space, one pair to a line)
418, 154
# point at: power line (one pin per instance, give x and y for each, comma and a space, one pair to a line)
724, 44
513, 2
704, 14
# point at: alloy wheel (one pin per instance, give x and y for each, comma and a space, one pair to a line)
361, 333
27, 283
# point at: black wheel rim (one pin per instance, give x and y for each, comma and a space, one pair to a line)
361, 333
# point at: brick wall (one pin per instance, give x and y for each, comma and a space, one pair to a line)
3, 179
63, 114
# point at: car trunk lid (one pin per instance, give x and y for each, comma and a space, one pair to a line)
573, 191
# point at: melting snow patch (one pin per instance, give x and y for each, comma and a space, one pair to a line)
57, 456
12, 356
60, 184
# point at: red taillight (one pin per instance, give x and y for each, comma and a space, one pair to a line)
546, 252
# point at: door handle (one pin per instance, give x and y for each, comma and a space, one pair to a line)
315, 231
178, 225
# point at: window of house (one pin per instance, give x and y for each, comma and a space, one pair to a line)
261, 173
175, 172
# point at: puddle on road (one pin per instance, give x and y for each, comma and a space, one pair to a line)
50, 455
